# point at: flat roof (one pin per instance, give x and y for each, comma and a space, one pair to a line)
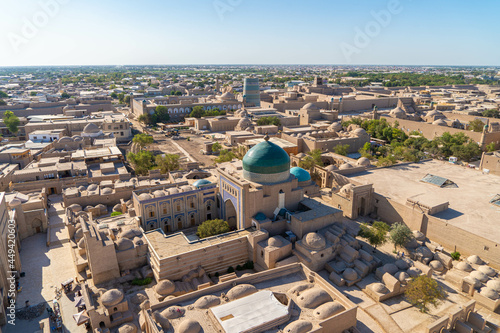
171, 245
248, 312
470, 207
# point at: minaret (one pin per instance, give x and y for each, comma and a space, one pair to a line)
482, 142
375, 114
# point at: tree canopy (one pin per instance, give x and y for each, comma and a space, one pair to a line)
476, 125
212, 227
400, 234
11, 121
143, 139
268, 121
199, 112
3, 94
423, 291
167, 163
142, 162
312, 159
375, 234
341, 149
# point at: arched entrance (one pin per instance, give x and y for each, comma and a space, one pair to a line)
230, 214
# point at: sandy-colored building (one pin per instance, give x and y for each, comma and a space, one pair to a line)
491, 162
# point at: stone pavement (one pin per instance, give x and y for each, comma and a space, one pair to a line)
46, 268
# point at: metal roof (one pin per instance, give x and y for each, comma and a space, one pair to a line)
438, 181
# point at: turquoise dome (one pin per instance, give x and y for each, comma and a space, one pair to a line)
201, 182
301, 174
266, 162
266, 157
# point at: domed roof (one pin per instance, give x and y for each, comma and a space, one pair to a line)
487, 270
159, 193
65, 139
439, 122
111, 297
201, 182
346, 166
314, 241
244, 123
274, 242
474, 259
464, 266
310, 106
91, 129
145, 196
106, 190
335, 127
432, 113
363, 161
359, 132
397, 111
266, 158
490, 293
227, 96
331, 167
301, 174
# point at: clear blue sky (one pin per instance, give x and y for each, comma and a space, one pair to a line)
104, 32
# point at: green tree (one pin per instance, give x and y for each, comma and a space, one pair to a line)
216, 147
161, 114
212, 227
142, 162
312, 159
3, 94
127, 99
400, 234
467, 151
476, 125
143, 139
65, 95
33, 93
11, 121
2, 102
269, 121
121, 98
490, 147
491, 113
167, 163
114, 95
385, 161
341, 149
423, 291
197, 112
144, 118
375, 234
225, 156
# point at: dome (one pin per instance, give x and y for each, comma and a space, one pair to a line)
350, 274
15, 202
401, 264
310, 106
397, 112
474, 259
436, 265
432, 113
346, 188
127, 328
379, 288
331, 168
106, 190
359, 132
244, 123
439, 122
402, 276
260, 216
274, 242
65, 139
335, 127
124, 244
201, 182
419, 235
266, 162
159, 193
390, 268
463, 266
189, 326
493, 284
314, 241
363, 161
173, 190
145, 196
346, 166
91, 129
487, 270
111, 297
92, 187
300, 155
490, 293
227, 96
301, 174
165, 287
479, 275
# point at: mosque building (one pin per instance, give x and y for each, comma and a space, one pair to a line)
262, 191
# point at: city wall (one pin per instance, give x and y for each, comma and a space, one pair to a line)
437, 230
